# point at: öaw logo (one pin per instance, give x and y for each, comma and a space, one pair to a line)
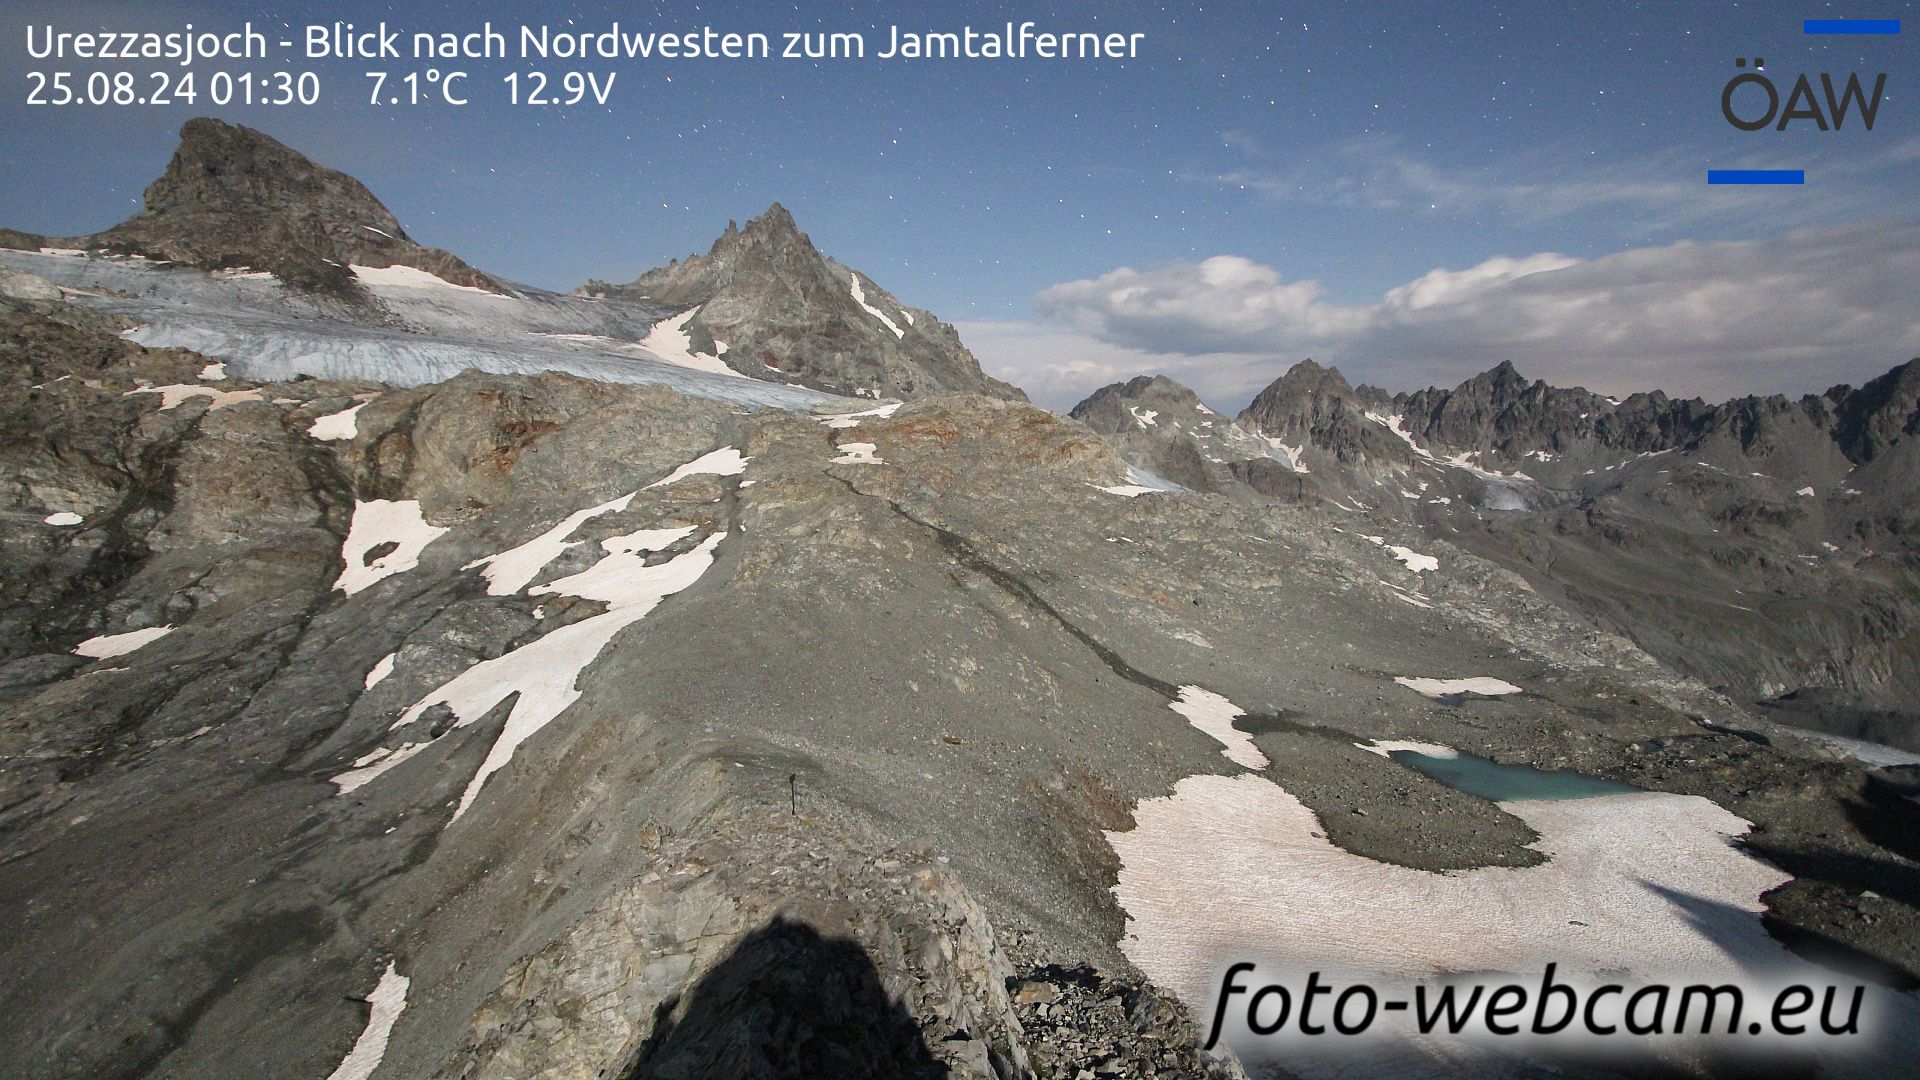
1751, 101
1801, 105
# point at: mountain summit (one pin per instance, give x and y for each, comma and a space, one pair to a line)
234, 197
787, 311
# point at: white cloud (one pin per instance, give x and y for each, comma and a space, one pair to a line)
1791, 314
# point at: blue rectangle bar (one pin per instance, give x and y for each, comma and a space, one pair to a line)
1852, 26
1756, 176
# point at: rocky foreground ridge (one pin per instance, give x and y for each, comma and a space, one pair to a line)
646, 735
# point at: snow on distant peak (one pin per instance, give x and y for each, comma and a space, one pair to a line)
375, 525
1143, 418
1290, 454
410, 277
1398, 425
669, 341
860, 297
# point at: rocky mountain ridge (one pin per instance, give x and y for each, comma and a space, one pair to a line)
763, 303
1672, 520
777, 307
233, 198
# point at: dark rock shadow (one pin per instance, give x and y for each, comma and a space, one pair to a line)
786, 1004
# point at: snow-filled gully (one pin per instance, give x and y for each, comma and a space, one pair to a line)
541, 676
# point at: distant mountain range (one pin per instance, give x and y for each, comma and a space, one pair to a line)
1764, 545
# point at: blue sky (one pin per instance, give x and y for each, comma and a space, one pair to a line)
1354, 147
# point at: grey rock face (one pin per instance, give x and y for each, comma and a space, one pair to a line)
787, 312
1163, 427
233, 197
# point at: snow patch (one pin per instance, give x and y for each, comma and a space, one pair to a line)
1439, 688
725, 461
852, 420
1871, 753
107, 646
513, 569
373, 765
63, 517
380, 671
410, 277
383, 521
173, 395
1386, 747
858, 453
668, 340
388, 1001
1415, 561
213, 372
860, 297
1807, 491
542, 674
1238, 867
1214, 715
337, 427
1144, 419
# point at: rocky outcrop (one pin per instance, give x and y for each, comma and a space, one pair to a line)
1164, 428
786, 312
1315, 406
